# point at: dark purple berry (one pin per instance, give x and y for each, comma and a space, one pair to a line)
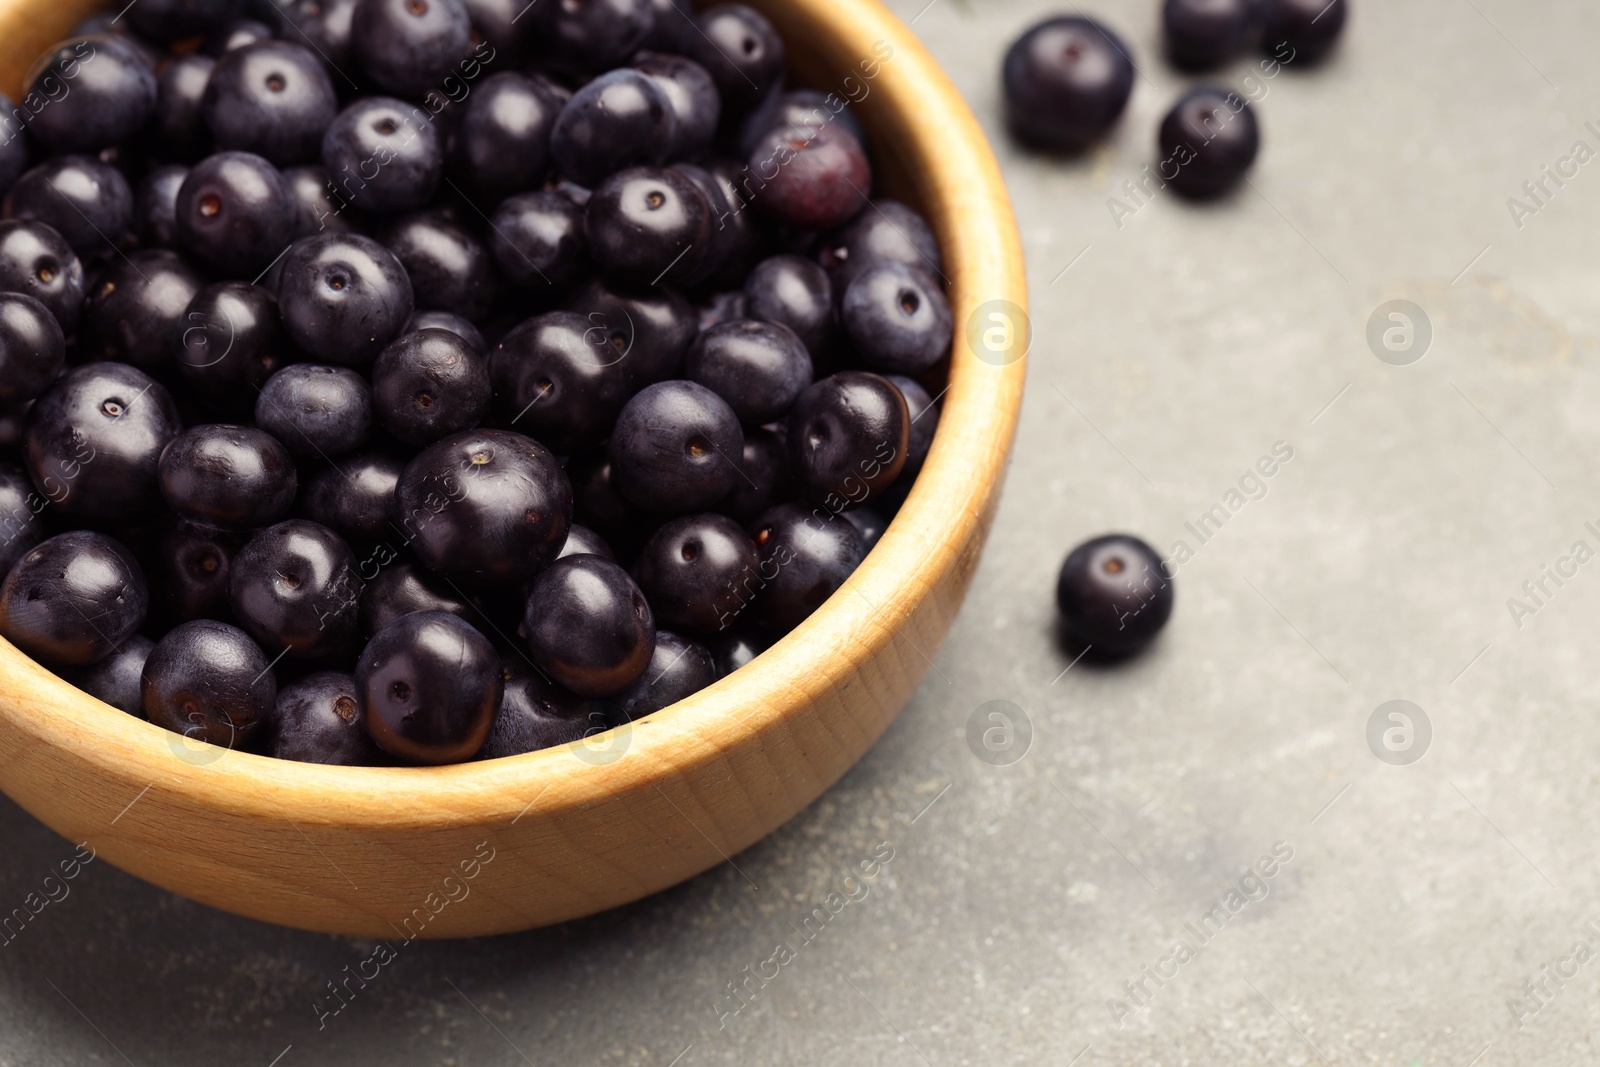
273, 98
93, 440
698, 573
235, 477
1114, 594
116, 679
675, 447
897, 319
587, 625
294, 588
343, 297
429, 687
810, 178
100, 92
848, 436
484, 506
558, 379
316, 411
429, 384
235, 214
805, 557
32, 348
1067, 81
1207, 142
208, 681
407, 47
36, 261
136, 308
318, 720
71, 600
678, 669
620, 119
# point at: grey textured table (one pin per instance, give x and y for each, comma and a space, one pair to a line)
1420, 906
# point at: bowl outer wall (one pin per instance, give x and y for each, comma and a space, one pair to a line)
570, 832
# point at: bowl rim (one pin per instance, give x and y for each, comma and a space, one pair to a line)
952, 173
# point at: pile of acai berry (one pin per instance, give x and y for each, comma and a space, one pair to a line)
416, 381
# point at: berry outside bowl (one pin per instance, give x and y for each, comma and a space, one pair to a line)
567, 832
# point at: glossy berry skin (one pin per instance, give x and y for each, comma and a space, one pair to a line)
403, 588
621, 119
502, 145
234, 35
20, 526
381, 128
673, 448
430, 685
698, 573
72, 599
315, 410
234, 477
679, 668
924, 419
484, 507
897, 319
1204, 34
92, 441
294, 586
343, 297
170, 20
116, 679
537, 239
32, 348
795, 292
1066, 82
651, 327
318, 720
100, 91
810, 178
408, 46
325, 26
208, 681
741, 51
587, 626
429, 384
759, 368
176, 122
648, 225
319, 210
764, 466
804, 559
135, 309
536, 713
449, 268
583, 36
848, 436
869, 523
189, 568
692, 95
155, 205
37, 261
736, 648
235, 214
1114, 594
1302, 30
1207, 142
229, 343
499, 25
89, 203
581, 540
273, 98
558, 379
798, 107
445, 320
354, 496
885, 231
15, 152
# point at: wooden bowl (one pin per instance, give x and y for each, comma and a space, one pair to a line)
516, 843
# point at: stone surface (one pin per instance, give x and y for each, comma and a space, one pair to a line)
1170, 355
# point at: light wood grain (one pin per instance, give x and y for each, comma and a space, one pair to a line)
358, 851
